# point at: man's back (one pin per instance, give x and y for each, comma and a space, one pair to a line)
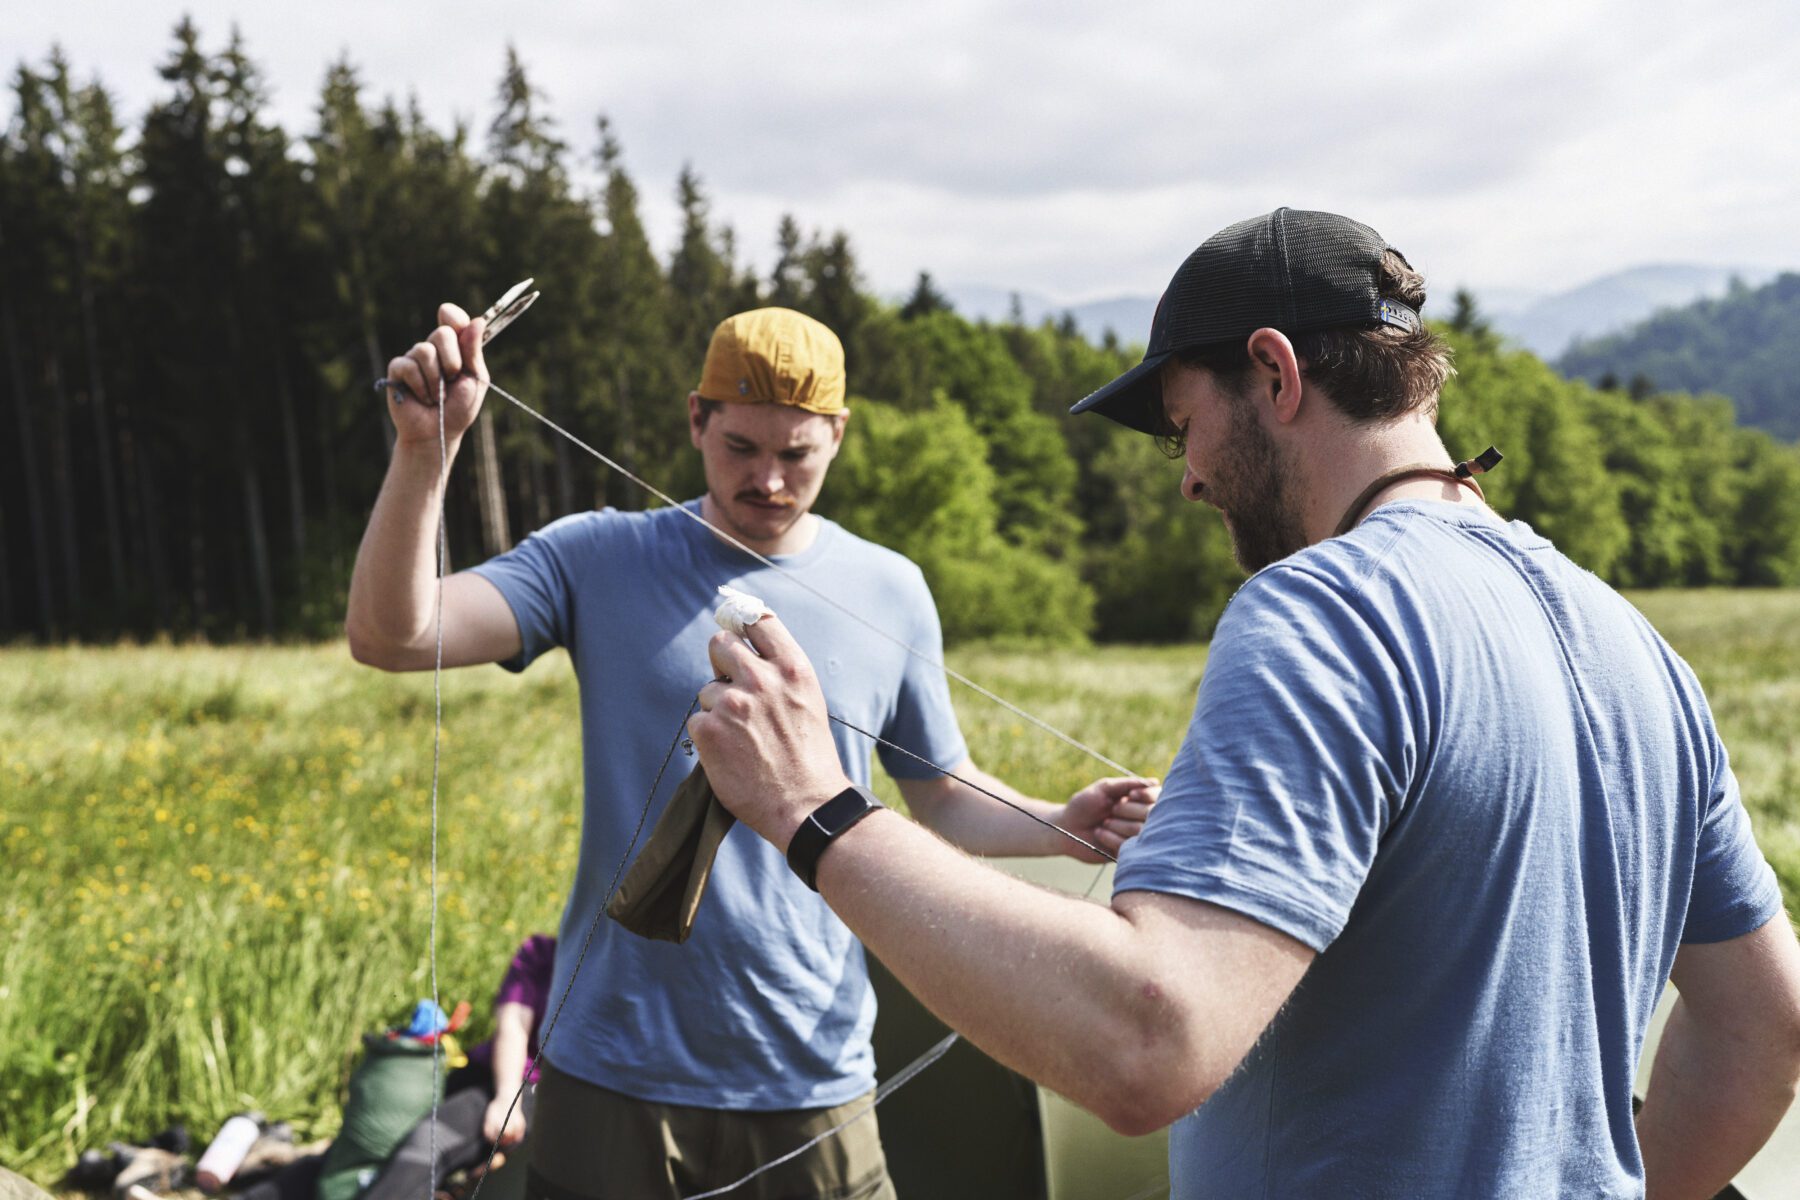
1475, 780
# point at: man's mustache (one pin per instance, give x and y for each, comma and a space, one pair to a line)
764, 498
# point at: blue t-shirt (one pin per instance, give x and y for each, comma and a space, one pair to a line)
768, 1003
1481, 786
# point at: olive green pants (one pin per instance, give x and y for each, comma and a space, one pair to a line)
589, 1143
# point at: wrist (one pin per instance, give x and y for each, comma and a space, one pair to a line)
800, 806
822, 824
425, 449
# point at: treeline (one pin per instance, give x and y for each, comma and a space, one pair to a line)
195, 311
1745, 344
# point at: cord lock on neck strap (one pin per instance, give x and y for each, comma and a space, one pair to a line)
1463, 475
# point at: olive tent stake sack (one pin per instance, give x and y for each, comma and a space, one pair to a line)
662, 892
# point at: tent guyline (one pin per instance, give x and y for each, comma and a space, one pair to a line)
502, 313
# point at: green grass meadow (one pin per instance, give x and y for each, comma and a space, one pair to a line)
214, 863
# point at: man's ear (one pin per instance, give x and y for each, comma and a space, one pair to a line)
837, 431
695, 426
1278, 369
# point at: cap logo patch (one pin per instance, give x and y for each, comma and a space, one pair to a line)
1392, 312
743, 387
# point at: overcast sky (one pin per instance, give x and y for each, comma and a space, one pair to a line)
1081, 150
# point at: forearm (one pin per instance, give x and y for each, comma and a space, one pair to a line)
980, 824
512, 1035
1062, 990
1713, 1101
393, 586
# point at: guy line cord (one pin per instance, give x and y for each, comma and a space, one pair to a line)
905, 1074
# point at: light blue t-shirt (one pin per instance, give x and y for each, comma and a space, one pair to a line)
768, 1003
1481, 786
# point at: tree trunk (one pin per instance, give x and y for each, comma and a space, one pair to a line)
259, 542
328, 483
198, 595
146, 517
103, 447
34, 487
62, 477
490, 495
540, 489
290, 443
565, 477
373, 349
626, 448
6, 609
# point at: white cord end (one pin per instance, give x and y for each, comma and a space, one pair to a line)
739, 610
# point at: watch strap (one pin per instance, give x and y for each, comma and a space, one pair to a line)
822, 826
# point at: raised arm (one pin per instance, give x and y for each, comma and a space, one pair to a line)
391, 621
1727, 1066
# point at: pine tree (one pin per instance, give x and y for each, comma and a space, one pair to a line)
834, 291
787, 279
629, 301
925, 299
27, 196
700, 278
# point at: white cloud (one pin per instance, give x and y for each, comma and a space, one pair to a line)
1082, 150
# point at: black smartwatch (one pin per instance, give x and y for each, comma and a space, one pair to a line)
822, 826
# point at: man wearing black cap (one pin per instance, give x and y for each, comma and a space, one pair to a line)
1448, 815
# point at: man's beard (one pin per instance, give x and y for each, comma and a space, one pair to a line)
1255, 493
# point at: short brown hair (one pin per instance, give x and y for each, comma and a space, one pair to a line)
1373, 374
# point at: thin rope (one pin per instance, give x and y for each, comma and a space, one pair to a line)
842, 608
911, 1070
969, 783
437, 748
900, 1079
586, 941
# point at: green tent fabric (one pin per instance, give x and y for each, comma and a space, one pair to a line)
390, 1092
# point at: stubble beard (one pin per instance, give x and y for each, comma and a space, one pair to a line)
1257, 496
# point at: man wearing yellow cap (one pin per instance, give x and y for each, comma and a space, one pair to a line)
675, 1069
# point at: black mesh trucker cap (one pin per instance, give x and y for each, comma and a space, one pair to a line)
1290, 270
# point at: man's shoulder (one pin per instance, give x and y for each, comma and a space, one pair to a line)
614, 525
851, 549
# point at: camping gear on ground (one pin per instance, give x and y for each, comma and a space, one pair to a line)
661, 894
154, 1170
427, 1019
96, 1170
391, 1090
274, 1148
228, 1151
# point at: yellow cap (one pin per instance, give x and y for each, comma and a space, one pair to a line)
775, 356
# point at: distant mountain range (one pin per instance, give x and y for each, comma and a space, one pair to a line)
1546, 324
1744, 344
